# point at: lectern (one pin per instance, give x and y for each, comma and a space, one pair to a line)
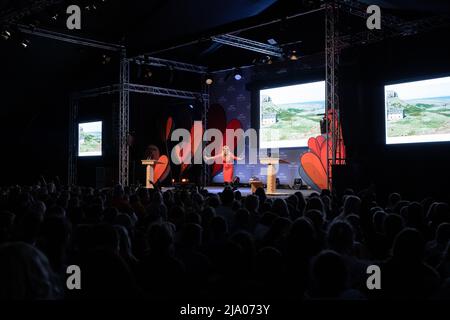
271, 173
150, 172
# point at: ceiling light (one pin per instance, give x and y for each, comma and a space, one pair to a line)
267, 60
25, 43
209, 80
148, 73
293, 55
5, 35
237, 74
106, 59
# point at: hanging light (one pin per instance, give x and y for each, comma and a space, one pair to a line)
209, 80
25, 43
293, 55
237, 74
5, 35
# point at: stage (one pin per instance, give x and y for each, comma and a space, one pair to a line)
245, 191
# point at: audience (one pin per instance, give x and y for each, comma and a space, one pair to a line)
138, 243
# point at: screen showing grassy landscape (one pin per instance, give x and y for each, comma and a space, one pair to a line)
90, 139
290, 115
418, 111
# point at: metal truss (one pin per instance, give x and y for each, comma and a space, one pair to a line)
205, 104
166, 92
406, 29
72, 152
332, 88
115, 88
248, 44
45, 33
13, 16
124, 119
359, 9
176, 65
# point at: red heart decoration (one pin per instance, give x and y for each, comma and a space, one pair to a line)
320, 139
312, 165
169, 125
161, 169
314, 145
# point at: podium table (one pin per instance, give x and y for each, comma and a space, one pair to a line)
150, 172
271, 173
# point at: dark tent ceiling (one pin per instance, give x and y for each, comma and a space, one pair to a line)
147, 26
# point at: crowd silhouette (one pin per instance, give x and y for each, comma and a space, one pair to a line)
134, 243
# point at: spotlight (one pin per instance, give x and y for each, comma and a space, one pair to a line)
237, 74
5, 35
293, 55
209, 80
148, 73
25, 43
267, 60
106, 59
191, 106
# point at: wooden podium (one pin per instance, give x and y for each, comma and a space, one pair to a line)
271, 173
150, 172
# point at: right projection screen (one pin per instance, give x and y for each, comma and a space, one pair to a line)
418, 111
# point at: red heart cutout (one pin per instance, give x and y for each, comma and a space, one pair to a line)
169, 125
312, 165
314, 146
324, 154
320, 139
161, 169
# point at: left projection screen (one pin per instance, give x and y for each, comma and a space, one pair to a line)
90, 139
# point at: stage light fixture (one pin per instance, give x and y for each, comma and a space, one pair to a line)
106, 59
209, 80
25, 43
148, 73
5, 35
237, 74
267, 60
293, 55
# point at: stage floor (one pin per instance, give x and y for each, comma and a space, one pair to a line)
281, 193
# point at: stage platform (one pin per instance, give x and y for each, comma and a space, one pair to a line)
245, 191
